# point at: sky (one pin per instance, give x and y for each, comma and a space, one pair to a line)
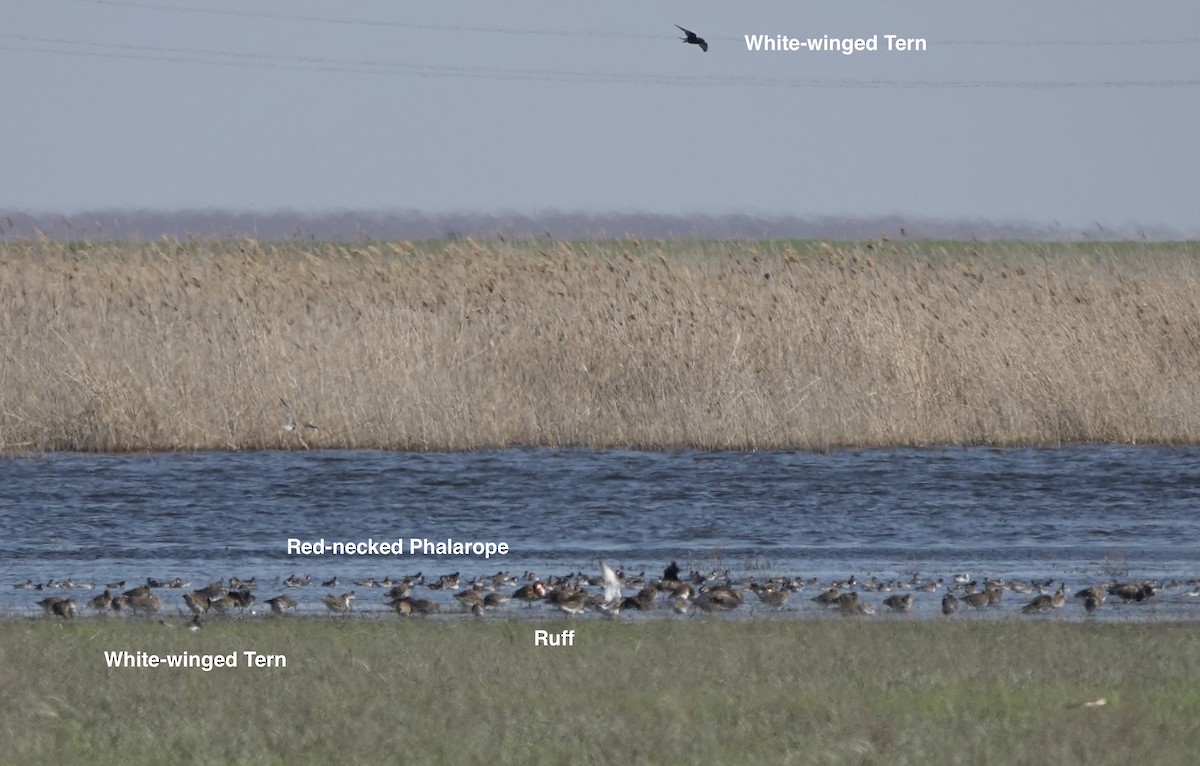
1078, 115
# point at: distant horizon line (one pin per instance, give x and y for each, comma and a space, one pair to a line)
399, 224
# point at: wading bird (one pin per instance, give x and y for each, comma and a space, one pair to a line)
103, 602
197, 602
423, 606
534, 591
949, 604
58, 606
281, 604
338, 604
719, 598
495, 599
693, 38
145, 604
671, 573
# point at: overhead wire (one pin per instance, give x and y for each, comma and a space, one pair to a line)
348, 21
507, 30
224, 58
213, 57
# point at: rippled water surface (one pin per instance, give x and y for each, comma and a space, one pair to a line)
1075, 514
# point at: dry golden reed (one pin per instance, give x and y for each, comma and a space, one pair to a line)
718, 344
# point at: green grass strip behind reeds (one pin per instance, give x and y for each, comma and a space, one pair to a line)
676, 691
745, 345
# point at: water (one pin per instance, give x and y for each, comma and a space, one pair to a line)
1077, 515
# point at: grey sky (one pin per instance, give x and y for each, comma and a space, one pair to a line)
1019, 111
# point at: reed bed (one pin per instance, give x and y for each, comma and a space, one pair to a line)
174, 345
674, 691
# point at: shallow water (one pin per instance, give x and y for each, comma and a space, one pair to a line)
1078, 515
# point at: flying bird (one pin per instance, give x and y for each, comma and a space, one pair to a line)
693, 38
612, 585
290, 423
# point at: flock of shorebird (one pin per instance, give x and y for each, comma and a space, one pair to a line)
606, 594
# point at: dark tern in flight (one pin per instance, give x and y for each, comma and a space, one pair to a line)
693, 38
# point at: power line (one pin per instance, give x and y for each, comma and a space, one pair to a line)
456, 28
211, 57
347, 21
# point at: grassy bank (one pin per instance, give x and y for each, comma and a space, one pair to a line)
744, 345
693, 691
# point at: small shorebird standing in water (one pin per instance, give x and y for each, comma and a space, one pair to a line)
827, 598
1059, 599
772, 597
145, 604
1130, 591
850, 604
399, 591
103, 602
59, 606
1093, 597
1039, 605
281, 604
403, 606
976, 599
197, 602
495, 599
671, 573
471, 597
949, 604
1045, 602
421, 606
575, 603
339, 604
721, 598
693, 38
534, 591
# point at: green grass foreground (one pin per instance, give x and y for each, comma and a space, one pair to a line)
669, 692
657, 345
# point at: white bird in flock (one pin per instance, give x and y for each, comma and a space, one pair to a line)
612, 585
290, 423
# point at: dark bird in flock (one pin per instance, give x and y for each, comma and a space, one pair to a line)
949, 604
693, 38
